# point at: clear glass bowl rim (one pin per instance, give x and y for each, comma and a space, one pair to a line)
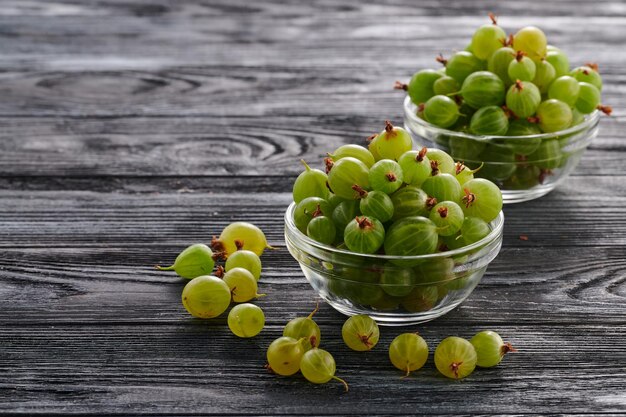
589, 121
496, 230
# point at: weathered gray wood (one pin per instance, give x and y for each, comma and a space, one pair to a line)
199, 367
216, 146
130, 129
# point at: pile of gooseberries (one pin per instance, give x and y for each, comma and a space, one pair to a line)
507, 85
387, 199
298, 350
209, 292
455, 357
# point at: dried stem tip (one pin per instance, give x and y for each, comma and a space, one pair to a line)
506, 348
493, 17
441, 60
317, 212
507, 41
443, 212
239, 244
421, 154
593, 66
434, 167
605, 109
519, 55
389, 128
518, 85
431, 202
400, 86
363, 222
468, 198
328, 164
219, 272
371, 137
362, 193
217, 245
459, 167
391, 177
454, 367
366, 339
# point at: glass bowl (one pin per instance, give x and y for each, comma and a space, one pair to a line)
524, 167
393, 290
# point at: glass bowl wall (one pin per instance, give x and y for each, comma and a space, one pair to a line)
524, 167
393, 290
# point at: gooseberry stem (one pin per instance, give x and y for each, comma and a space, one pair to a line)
317, 307
306, 166
238, 244
454, 367
345, 384
360, 190
493, 17
164, 268
389, 128
421, 154
506, 348
593, 66
400, 86
441, 60
605, 109
219, 271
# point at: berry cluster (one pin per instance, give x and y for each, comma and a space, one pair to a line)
392, 200
207, 296
515, 85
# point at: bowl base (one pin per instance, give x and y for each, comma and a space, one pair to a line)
395, 319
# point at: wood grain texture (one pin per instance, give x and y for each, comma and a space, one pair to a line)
132, 128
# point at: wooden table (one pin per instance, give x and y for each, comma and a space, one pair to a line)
130, 129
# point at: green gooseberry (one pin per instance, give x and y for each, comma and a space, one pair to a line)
355, 151
364, 235
378, 205
462, 64
415, 166
522, 68
397, 282
489, 121
441, 111
309, 208
544, 75
411, 236
322, 229
442, 187
554, 115
192, 262
523, 98
483, 88
344, 174
386, 176
499, 63
588, 74
310, 183
499, 163
245, 259
409, 201
420, 88
421, 298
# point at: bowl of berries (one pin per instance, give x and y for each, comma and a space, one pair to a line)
510, 108
401, 235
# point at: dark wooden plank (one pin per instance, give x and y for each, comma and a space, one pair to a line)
215, 146
569, 217
53, 240
129, 129
116, 284
199, 367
